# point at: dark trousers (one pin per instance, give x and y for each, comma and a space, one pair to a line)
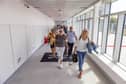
70, 49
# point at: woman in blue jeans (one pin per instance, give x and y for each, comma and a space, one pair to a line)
81, 48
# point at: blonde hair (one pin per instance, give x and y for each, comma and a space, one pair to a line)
84, 34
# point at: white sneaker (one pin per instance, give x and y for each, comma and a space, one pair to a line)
60, 66
70, 63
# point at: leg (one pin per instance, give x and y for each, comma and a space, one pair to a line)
70, 49
53, 49
65, 51
54, 52
58, 54
80, 60
61, 52
81, 56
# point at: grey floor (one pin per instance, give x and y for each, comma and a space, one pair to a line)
36, 72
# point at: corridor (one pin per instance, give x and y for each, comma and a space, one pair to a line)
25, 24
36, 72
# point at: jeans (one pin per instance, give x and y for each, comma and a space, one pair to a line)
81, 56
91, 47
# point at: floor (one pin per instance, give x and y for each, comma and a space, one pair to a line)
36, 72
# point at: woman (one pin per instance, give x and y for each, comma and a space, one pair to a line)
60, 46
81, 48
51, 37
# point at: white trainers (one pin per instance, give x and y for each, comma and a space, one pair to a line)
60, 66
70, 63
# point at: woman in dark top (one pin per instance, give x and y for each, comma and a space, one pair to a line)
60, 46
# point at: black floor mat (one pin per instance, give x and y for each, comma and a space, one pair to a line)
49, 58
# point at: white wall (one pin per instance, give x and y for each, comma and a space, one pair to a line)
6, 57
21, 32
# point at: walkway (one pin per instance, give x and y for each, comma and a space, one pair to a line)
36, 72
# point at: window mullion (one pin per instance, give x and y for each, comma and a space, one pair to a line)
104, 36
118, 38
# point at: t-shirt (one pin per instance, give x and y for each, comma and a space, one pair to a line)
82, 45
71, 36
60, 40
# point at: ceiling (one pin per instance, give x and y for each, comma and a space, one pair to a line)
60, 9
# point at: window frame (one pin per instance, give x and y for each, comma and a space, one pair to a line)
119, 57
114, 36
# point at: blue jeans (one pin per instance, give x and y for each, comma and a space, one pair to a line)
81, 56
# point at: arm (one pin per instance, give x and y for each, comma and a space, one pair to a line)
66, 40
75, 47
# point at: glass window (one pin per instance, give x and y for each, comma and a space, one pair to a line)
91, 29
87, 24
84, 24
91, 14
111, 34
87, 15
81, 23
84, 21
123, 46
118, 6
101, 26
102, 8
107, 8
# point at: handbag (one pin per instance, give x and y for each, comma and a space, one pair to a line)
74, 57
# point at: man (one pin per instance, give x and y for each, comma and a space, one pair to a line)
71, 40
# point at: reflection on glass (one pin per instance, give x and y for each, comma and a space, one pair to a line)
101, 25
87, 15
107, 8
86, 24
91, 29
123, 47
111, 34
91, 13
102, 8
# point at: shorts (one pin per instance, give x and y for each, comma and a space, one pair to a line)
52, 45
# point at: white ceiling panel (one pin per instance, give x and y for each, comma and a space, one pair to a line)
60, 9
